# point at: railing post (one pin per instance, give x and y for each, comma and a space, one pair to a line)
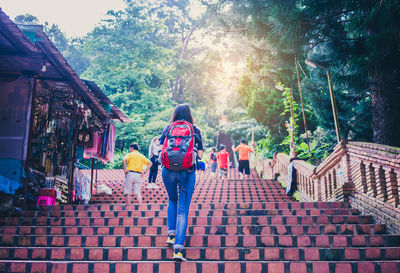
335, 180
314, 196
371, 180
317, 186
381, 191
330, 186
345, 174
392, 186
363, 178
273, 168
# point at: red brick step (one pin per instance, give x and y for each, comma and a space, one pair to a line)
201, 267
348, 229
203, 241
201, 254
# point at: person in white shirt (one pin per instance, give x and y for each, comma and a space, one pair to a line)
154, 149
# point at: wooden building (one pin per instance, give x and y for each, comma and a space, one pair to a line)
43, 105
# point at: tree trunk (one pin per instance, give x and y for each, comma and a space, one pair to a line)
385, 98
175, 89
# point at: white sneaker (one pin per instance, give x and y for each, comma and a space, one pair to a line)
150, 186
155, 186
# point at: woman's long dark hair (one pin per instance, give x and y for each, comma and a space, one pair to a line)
182, 112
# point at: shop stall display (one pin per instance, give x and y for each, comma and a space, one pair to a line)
58, 117
49, 118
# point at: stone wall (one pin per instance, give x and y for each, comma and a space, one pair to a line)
383, 213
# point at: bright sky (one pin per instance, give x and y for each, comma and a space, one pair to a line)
74, 17
78, 17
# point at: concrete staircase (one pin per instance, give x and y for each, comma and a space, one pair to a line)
234, 226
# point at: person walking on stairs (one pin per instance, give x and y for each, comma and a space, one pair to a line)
134, 163
201, 164
244, 163
213, 162
154, 149
181, 142
223, 162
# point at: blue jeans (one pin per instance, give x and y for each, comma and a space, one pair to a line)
178, 208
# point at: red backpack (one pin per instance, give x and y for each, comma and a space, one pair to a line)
178, 152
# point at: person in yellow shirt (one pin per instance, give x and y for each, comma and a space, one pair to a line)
244, 163
134, 163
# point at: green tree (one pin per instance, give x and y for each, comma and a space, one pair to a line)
127, 62
26, 19
133, 58
356, 40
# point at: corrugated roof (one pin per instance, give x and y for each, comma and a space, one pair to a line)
37, 56
12, 38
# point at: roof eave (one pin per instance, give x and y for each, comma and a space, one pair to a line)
58, 61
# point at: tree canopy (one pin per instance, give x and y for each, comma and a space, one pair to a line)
155, 54
357, 41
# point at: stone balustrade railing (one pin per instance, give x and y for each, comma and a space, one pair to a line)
376, 170
366, 174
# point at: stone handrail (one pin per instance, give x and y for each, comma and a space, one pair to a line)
365, 174
367, 168
376, 170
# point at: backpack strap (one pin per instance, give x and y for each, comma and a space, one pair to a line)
171, 136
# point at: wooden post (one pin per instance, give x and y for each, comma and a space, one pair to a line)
97, 167
91, 177
302, 108
29, 149
72, 167
291, 126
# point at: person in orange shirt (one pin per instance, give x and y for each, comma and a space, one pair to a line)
244, 163
223, 162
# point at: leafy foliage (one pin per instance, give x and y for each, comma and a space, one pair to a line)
127, 62
356, 40
320, 146
134, 56
244, 129
148, 57
134, 59
264, 104
266, 147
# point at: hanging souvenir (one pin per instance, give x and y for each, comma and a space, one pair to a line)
85, 136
